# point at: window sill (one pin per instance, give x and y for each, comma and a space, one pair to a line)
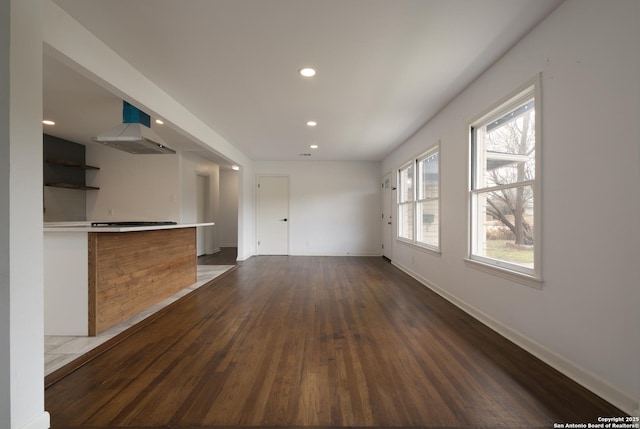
432, 251
515, 276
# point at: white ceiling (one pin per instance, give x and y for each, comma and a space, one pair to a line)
384, 67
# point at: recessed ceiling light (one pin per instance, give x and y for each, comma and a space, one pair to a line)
307, 72
159, 122
48, 122
312, 123
235, 167
314, 146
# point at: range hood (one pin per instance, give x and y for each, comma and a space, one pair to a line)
134, 135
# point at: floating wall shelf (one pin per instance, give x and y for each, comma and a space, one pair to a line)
71, 164
71, 186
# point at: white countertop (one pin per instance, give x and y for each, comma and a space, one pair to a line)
85, 226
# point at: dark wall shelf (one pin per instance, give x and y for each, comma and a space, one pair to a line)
71, 186
64, 164
71, 164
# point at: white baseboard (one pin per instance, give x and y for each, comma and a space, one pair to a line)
241, 258
581, 376
359, 254
43, 421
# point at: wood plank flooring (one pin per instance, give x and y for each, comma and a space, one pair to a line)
321, 342
225, 256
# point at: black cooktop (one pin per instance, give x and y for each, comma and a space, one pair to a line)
134, 223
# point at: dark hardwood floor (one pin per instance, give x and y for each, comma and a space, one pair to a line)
322, 342
226, 256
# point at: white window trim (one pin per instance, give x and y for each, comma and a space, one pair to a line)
505, 273
503, 269
399, 203
414, 162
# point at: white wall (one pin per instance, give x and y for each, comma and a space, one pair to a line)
585, 319
247, 212
132, 187
21, 241
334, 207
228, 220
190, 167
5, 214
62, 205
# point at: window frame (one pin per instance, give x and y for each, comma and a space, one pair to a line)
414, 163
512, 271
409, 202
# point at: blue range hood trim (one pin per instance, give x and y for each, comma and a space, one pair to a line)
133, 115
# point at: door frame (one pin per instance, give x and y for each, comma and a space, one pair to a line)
387, 221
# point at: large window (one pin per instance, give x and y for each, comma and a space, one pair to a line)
504, 185
418, 200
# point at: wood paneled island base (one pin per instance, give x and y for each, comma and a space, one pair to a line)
131, 271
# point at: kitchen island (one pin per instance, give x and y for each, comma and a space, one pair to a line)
99, 276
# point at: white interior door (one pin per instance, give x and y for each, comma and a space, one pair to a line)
273, 215
387, 216
202, 201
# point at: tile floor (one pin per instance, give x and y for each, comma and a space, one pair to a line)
60, 350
